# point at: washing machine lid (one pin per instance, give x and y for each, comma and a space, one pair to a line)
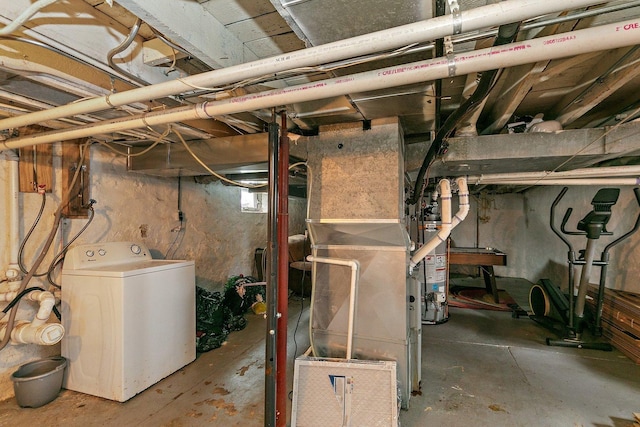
130, 269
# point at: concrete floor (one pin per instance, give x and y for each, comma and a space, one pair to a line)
481, 368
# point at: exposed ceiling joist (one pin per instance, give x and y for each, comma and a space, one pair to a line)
86, 34
519, 81
602, 88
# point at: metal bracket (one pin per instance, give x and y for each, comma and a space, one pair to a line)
452, 65
448, 45
457, 16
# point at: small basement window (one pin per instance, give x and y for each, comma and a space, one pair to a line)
253, 202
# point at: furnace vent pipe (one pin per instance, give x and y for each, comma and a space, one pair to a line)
604, 37
355, 268
445, 228
37, 331
463, 202
379, 41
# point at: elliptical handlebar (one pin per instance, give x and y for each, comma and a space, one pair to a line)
577, 233
564, 220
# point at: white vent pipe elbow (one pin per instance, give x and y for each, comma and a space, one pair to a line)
463, 202
445, 228
355, 268
26, 333
37, 331
428, 30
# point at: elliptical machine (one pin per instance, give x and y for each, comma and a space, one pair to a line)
572, 309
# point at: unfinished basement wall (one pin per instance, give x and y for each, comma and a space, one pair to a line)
498, 222
518, 224
132, 207
549, 255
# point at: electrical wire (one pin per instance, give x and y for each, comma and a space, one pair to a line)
295, 330
17, 298
169, 43
208, 169
179, 235
60, 256
174, 47
28, 235
157, 140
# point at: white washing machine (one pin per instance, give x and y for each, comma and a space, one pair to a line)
129, 319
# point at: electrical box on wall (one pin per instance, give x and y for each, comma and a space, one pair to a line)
73, 158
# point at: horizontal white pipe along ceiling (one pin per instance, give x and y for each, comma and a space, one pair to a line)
478, 18
601, 38
565, 181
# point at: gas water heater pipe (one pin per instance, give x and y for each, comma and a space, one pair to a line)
38, 331
445, 229
463, 202
604, 37
355, 268
379, 41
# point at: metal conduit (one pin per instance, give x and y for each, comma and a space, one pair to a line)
545, 48
121, 48
431, 29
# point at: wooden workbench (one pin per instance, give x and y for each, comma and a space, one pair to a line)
485, 258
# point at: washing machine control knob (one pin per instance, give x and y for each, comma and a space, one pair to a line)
136, 249
90, 253
102, 252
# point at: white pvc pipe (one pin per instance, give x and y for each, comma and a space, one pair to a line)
445, 228
355, 267
605, 172
25, 15
46, 301
567, 181
605, 37
25, 333
13, 210
393, 38
38, 331
463, 202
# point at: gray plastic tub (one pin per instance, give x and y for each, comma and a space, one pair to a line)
38, 383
